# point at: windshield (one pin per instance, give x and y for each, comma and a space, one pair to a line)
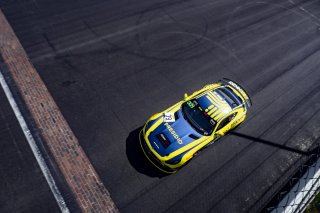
197, 117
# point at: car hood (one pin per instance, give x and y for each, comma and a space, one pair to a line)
168, 137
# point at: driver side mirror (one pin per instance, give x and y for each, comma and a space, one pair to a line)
185, 95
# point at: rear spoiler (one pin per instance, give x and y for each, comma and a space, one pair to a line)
237, 87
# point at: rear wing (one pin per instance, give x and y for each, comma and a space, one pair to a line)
241, 91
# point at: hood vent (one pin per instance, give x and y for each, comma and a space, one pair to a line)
163, 140
193, 136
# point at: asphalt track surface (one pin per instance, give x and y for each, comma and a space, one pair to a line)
111, 64
23, 187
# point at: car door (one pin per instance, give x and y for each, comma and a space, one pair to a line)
225, 125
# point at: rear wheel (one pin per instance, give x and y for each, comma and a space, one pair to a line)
236, 127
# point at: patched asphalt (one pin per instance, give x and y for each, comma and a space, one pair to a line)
111, 64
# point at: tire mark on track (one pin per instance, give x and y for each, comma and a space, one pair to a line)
91, 41
264, 20
307, 12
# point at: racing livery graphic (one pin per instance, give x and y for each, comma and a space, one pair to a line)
171, 138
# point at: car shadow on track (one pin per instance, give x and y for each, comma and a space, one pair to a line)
137, 158
274, 144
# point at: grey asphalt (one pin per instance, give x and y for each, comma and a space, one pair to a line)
111, 64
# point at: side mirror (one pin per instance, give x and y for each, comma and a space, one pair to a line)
185, 95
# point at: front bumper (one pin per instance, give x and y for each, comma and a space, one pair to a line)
151, 157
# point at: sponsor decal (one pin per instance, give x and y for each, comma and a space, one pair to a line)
169, 117
235, 86
239, 89
174, 134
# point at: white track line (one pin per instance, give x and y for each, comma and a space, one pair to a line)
35, 149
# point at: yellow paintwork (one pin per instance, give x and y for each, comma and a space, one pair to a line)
224, 111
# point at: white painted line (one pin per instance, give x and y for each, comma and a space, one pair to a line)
35, 149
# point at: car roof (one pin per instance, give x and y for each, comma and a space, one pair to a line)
214, 104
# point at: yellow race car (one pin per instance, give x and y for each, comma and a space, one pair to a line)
171, 138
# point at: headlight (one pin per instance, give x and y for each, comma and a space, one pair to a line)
172, 162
